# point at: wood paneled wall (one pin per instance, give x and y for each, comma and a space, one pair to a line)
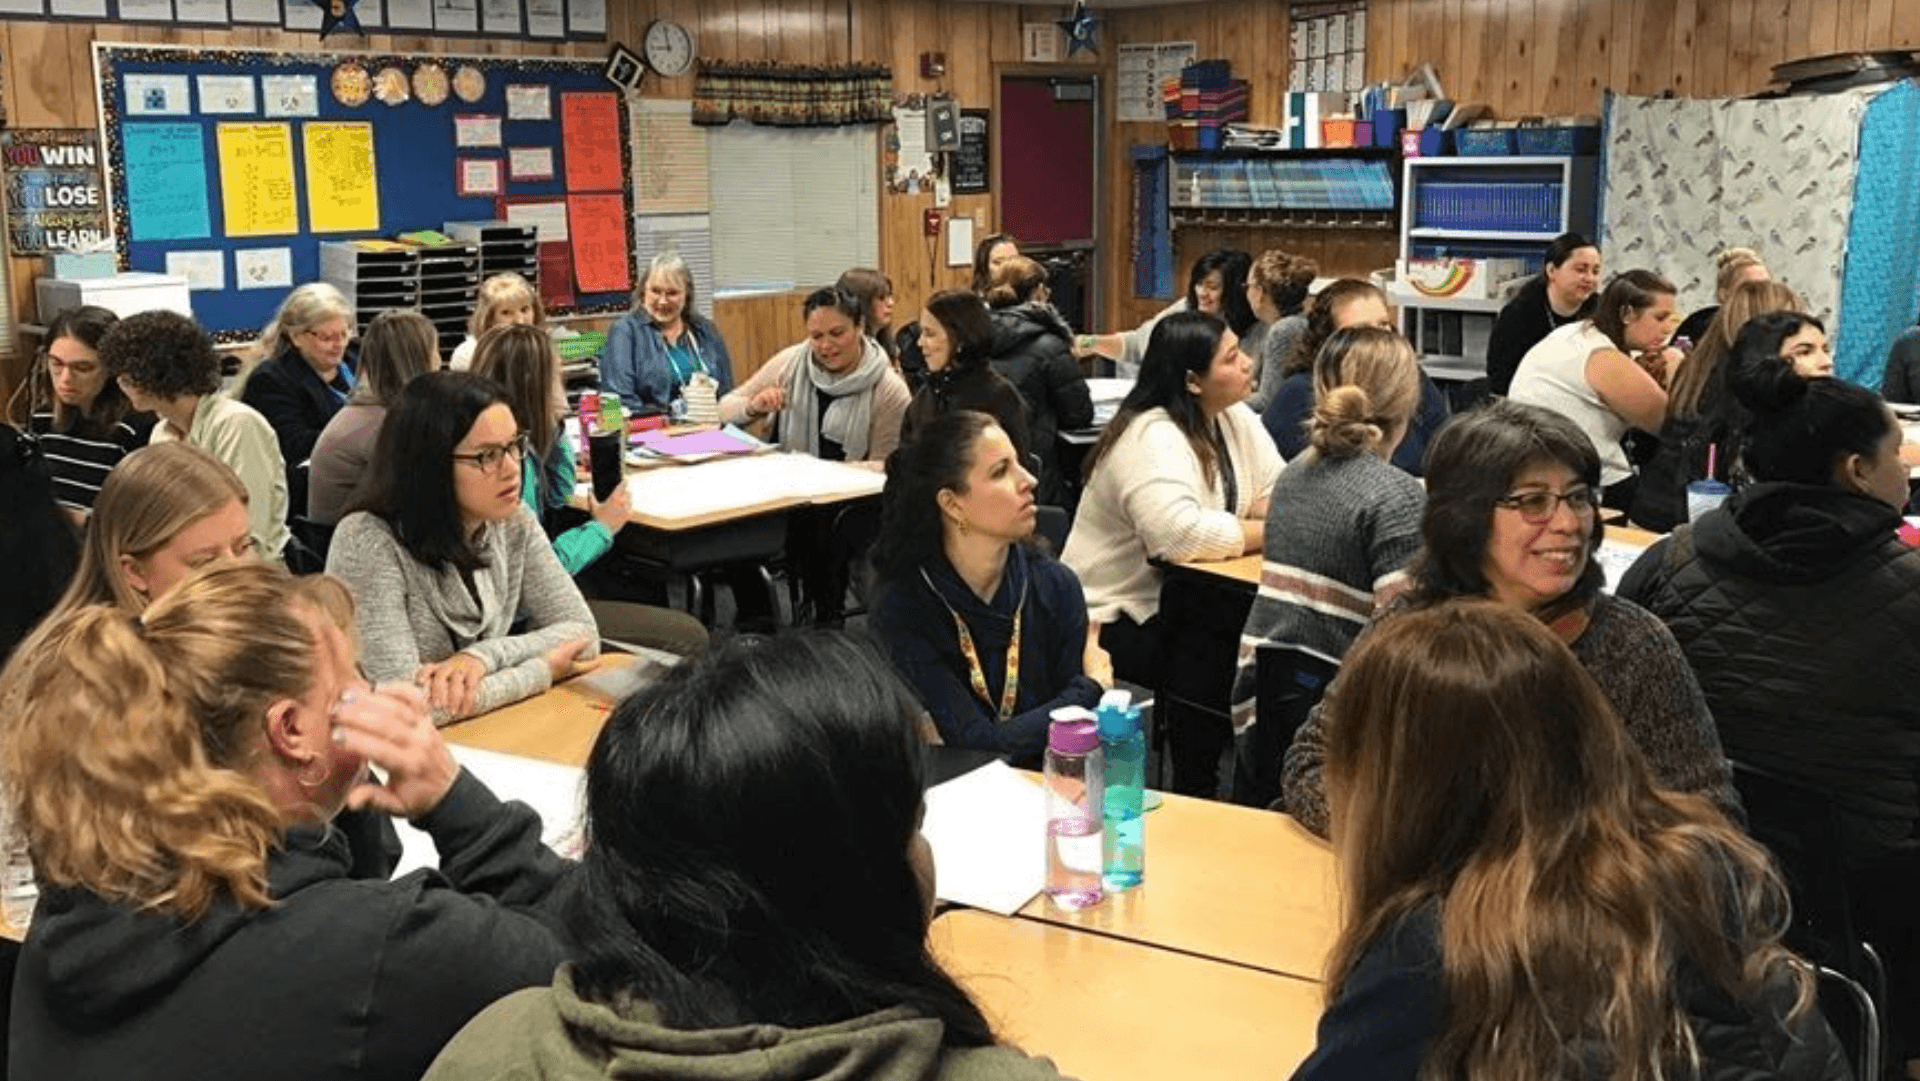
1521, 56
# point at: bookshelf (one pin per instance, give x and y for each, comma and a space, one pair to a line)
1482, 207
1343, 188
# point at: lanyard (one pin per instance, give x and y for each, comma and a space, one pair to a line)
689, 347
977, 675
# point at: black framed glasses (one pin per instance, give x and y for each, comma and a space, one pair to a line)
1536, 507
488, 459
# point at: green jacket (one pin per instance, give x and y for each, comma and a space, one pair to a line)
577, 547
550, 1034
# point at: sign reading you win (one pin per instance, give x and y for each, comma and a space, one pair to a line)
55, 198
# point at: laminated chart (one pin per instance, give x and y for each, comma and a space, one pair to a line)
166, 181
256, 180
342, 196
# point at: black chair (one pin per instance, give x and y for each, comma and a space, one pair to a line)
1289, 682
1801, 826
1053, 523
307, 545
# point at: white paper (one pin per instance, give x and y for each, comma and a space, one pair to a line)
479, 177
500, 17
915, 164
988, 831
256, 11
1616, 557
529, 101
22, 7
587, 18
456, 16
719, 487
959, 241
290, 95
370, 14
410, 14
157, 95
263, 268
472, 129
78, 9
300, 15
690, 236
227, 95
530, 163
202, 269
548, 219
201, 11
146, 11
546, 18
552, 790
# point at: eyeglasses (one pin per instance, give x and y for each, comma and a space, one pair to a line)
488, 459
1538, 506
338, 337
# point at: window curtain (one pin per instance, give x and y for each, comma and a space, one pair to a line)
791, 96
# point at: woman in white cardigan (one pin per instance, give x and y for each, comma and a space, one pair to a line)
1181, 473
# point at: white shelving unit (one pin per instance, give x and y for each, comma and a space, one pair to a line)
1509, 207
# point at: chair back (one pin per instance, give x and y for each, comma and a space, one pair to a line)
1053, 523
1289, 682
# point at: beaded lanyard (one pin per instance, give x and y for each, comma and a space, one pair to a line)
977, 675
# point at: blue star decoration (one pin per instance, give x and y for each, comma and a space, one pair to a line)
337, 13
1079, 29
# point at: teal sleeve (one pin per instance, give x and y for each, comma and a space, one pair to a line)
580, 546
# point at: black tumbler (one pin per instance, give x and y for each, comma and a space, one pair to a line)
605, 456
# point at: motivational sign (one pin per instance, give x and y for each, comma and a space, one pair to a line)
56, 200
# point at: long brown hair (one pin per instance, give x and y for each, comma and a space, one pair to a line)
1706, 364
86, 324
1625, 297
1182, 345
129, 741
1366, 386
522, 361
1570, 890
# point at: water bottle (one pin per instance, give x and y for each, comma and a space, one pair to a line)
1074, 799
1124, 843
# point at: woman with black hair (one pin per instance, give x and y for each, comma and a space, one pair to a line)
445, 560
1512, 516
77, 412
1799, 609
989, 629
755, 898
1564, 292
39, 547
1217, 286
956, 336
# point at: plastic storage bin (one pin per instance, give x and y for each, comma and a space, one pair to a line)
1483, 142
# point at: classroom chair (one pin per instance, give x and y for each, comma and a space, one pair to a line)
1289, 682
1801, 826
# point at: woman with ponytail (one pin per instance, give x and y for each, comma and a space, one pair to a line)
175, 774
1342, 525
1522, 899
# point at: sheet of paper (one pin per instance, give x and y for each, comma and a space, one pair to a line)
590, 134
227, 95
500, 17
549, 219
716, 487
146, 11
342, 196
477, 177
201, 11
551, 789
597, 225
300, 15
546, 18
289, 95
77, 9
959, 241
712, 441
587, 18
689, 236
256, 179
456, 16
23, 7
913, 166
530, 163
256, 11
1616, 558
202, 269
529, 101
669, 159
157, 95
476, 130
410, 14
166, 181
988, 831
263, 268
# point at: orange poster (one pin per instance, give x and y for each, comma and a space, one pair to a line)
590, 139
597, 226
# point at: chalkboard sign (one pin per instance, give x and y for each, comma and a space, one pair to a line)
972, 166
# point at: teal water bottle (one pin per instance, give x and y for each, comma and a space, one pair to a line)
1123, 833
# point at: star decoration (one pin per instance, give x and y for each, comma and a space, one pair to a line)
1079, 29
337, 13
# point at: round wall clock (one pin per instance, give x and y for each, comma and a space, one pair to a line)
669, 48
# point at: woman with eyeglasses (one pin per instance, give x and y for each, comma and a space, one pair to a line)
1512, 497
446, 561
78, 414
308, 372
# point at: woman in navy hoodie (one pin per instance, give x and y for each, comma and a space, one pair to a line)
989, 631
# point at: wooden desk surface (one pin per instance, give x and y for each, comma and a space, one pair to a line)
1225, 882
558, 725
1107, 1010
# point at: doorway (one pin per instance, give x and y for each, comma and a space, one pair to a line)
1050, 150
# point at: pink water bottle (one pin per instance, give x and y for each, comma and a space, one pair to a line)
1075, 785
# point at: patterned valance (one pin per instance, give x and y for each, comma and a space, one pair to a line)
792, 96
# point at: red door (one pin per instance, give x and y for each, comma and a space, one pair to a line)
1047, 160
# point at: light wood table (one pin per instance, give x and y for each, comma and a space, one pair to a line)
1234, 884
1107, 1010
557, 725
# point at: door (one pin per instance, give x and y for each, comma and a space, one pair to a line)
1050, 181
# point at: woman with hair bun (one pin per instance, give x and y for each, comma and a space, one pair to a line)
1033, 350
1342, 524
1277, 290
1732, 268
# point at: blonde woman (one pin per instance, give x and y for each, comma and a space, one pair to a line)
309, 370
175, 775
1732, 268
1342, 525
506, 300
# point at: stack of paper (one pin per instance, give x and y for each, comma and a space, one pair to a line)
551, 789
988, 830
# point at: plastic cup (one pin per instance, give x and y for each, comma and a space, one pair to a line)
1703, 496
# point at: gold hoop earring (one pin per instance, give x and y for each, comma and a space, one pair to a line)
300, 775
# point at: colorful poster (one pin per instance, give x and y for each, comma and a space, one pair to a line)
590, 138
55, 199
341, 194
598, 226
166, 181
256, 180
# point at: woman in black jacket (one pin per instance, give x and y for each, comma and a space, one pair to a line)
1033, 349
956, 333
1563, 292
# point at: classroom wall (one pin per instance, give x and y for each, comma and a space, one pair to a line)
1521, 56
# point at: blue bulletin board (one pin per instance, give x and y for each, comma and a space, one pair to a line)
235, 165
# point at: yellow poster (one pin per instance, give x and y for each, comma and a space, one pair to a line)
341, 194
256, 180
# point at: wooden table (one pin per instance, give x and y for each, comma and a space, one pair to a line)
1108, 1010
557, 725
1232, 884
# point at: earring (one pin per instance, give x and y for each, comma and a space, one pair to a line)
300, 775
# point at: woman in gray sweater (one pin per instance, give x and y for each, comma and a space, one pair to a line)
445, 562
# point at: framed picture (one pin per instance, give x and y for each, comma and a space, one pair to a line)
624, 69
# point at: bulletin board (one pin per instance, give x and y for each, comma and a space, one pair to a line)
234, 165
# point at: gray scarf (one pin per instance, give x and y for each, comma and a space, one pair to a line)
849, 417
